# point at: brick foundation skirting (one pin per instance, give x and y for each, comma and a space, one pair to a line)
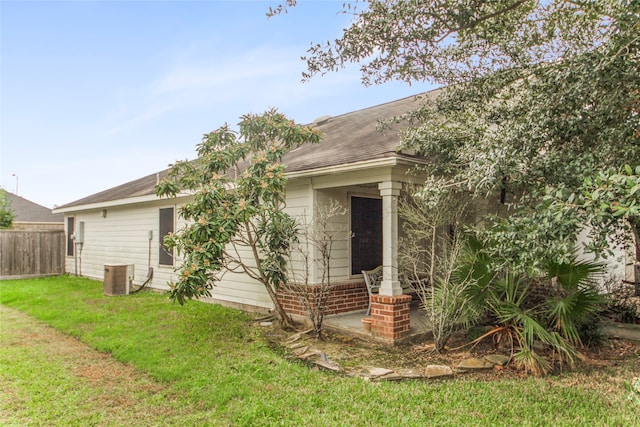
344, 297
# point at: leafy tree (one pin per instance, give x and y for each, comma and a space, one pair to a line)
609, 202
6, 212
536, 93
236, 221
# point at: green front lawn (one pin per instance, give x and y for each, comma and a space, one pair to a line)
208, 365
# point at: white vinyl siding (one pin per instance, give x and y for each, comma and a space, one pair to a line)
239, 288
120, 235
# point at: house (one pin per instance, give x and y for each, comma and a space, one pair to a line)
355, 164
32, 216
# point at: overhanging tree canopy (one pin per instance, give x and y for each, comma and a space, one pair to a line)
537, 94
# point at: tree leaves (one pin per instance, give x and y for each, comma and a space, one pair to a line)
537, 94
238, 187
609, 202
6, 211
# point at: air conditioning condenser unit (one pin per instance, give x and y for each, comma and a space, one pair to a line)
117, 279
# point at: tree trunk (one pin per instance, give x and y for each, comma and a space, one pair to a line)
285, 319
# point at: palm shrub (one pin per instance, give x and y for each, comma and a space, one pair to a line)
537, 316
573, 296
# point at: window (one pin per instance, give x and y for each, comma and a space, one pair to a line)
366, 234
165, 256
71, 226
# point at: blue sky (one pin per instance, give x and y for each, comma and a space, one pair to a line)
96, 94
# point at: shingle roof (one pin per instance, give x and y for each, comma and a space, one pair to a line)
27, 211
353, 137
144, 186
347, 139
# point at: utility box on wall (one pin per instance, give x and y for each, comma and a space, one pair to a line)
117, 279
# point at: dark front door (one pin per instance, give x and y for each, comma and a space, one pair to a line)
366, 234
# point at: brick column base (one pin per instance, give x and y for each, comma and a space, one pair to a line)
390, 317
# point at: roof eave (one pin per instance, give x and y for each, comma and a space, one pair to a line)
351, 167
395, 160
112, 203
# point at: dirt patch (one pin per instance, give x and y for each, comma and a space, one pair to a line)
111, 387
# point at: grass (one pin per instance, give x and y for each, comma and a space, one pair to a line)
158, 363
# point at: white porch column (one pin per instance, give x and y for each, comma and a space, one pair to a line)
390, 285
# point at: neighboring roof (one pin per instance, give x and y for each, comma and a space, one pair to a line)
347, 139
27, 211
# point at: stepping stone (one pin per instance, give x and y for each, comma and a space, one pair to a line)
438, 371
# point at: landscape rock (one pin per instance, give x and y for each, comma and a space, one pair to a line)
296, 345
409, 373
497, 359
474, 363
309, 353
300, 350
328, 365
295, 337
438, 371
377, 372
392, 376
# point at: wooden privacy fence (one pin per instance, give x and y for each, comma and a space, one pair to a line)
31, 253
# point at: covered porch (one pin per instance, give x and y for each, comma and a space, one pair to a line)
371, 235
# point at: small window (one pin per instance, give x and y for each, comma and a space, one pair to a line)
165, 256
71, 226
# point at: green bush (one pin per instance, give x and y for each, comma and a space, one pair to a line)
537, 316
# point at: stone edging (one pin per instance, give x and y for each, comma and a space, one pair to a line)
318, 358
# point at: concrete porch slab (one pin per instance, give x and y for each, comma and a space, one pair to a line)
351, 324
